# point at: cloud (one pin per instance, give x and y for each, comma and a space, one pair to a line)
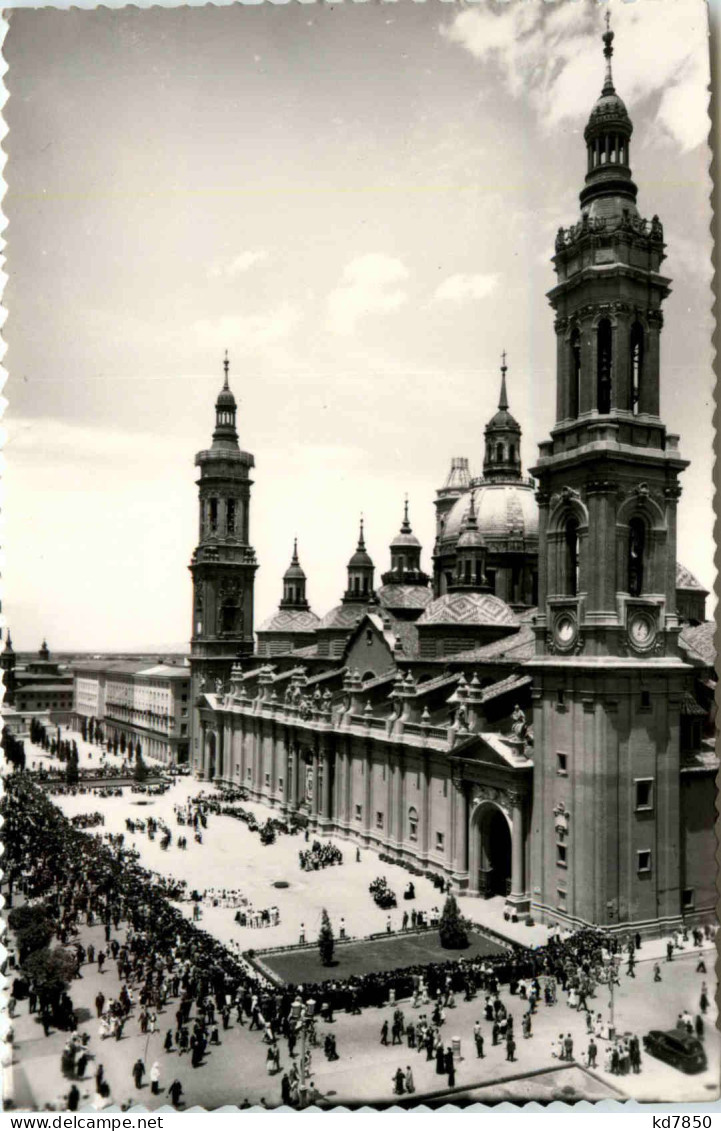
458, 288
228, 269
552, 58
246, 333
370, 283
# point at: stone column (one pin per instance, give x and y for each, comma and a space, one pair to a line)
327, 768
315, 807
460, 827
426, 809
400, 800
517, 902
368, 799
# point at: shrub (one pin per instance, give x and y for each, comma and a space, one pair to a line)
453, 928
326, 942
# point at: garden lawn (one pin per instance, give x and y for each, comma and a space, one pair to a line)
373, 955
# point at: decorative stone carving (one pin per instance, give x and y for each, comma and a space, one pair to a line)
561, 819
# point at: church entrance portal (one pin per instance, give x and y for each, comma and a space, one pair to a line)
211, 756
495, 853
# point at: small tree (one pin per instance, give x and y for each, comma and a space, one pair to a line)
326, 942
453, 928
140, 770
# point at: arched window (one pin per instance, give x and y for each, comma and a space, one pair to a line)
228, 616
636, 365
574, 392
604, 363
230, 516
499, 453
512, 453
572, 556
636, 548
413, 823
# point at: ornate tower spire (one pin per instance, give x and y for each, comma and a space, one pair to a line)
405, 556
502, 457
225, 434
294, 580
503, 400
360, 574
470, 554
608, 87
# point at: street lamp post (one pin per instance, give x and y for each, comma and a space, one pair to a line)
302, 1015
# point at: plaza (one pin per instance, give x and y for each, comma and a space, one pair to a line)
234, 858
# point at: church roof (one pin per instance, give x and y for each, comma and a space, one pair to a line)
518, 648
469, 608
405, 596
698, 640
686, 580
501, 509
344, 616
291, 620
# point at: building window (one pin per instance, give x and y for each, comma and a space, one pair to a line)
645, 700
688, 899
248, 773
230, 516
561, 899
644, 793
379, 820
561, 855
636, 546
413, 824
644, 860
358, 812
213, 515
575, 383
183, 728
636, 365
572, 557
280, 785
562, 764
560, 698
604, 365
440, 841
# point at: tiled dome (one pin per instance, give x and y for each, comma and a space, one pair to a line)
501, 509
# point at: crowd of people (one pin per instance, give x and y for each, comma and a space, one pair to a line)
319, 855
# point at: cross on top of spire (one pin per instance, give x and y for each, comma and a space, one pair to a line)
608, 37
226, 367
503, 401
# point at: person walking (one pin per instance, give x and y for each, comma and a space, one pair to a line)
399, 1082
384, 1032
155, 1079
410, 1085
656, 972
478, 1038
100, 1002
138, 1071
73, 1098
450, 1068
175, 1091
592, 1053
703, 1000
510, 1047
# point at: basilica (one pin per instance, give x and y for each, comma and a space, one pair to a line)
532, 721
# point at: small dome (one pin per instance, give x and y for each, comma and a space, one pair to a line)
291, 620
501, 509
610, 110
503, 420
469, 608
405, 540
360, 558
225, 399
294, 572
470, 539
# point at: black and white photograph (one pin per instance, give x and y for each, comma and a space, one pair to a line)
358, 612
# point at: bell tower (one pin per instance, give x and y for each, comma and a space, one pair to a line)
223, 564
608, 680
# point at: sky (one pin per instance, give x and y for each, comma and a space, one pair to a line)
358, 202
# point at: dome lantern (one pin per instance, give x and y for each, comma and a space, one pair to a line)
502, 457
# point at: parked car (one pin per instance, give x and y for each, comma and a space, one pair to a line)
679, 1049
